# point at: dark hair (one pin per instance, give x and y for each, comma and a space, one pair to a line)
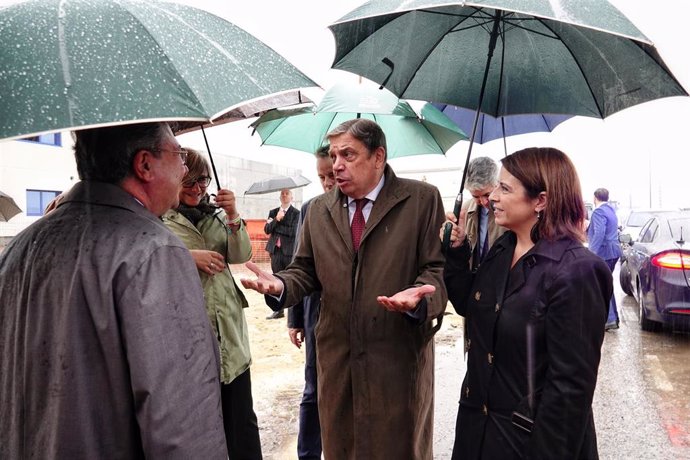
550, 170
322, 152
601, 194
106, 154
366, 131
197, 165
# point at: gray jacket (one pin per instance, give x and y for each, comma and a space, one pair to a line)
105, 347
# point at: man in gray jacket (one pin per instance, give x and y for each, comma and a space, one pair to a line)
105, 347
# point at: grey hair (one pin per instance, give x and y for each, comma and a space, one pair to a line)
364, 130
482, 172
106, 154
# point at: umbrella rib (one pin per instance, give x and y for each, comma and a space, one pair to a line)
153, 38
584, 77
432, 48
500, 78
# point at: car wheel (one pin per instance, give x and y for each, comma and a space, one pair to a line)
646, 324
625, 279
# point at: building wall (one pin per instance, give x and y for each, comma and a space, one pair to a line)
33, 166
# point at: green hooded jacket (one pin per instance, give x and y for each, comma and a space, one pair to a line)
224, 300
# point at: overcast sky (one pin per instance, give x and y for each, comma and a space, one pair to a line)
641, 154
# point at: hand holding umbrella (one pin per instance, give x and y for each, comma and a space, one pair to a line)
226, 199
456, 225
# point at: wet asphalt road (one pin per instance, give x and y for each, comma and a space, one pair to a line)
642, 401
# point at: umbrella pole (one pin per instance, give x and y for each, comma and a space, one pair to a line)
503, 129
210, 157
458, 199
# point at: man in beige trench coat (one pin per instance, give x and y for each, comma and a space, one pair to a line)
374, 338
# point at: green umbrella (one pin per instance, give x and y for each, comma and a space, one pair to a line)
505, 57
86, 63
407, 132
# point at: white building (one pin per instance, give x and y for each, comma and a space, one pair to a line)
34, 172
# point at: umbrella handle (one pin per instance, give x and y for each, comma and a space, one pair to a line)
448, 227
210, 157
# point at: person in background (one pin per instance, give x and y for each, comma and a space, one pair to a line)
105, 347
535, 312
480, 224
602, 235
281, 225
216, 236
370, 246
302, 319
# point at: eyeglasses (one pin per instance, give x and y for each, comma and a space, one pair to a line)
182, 153
203, 182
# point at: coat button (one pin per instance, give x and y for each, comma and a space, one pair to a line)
490, 358
467, 392
477, 296
468, 343
485, 409
497, 308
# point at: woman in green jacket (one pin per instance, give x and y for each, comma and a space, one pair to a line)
216, 236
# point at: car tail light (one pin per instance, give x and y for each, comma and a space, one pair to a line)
682, 311
672, 259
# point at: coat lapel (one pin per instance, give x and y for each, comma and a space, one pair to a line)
337, 207
392, 193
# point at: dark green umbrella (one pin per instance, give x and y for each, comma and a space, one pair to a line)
407, 132
86, 63
505, 57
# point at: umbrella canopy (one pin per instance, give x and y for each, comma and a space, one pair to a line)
275, 184
490, 128
579, 57
407, 132
84, 63
8, 208
251, 109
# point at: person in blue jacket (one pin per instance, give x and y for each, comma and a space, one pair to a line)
602, 234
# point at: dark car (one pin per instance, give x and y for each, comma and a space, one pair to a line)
656, 271
630, 231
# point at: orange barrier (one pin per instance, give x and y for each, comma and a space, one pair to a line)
255, 228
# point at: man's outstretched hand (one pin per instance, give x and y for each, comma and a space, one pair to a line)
406, 300
265, 282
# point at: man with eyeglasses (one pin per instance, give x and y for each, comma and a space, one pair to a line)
105, 346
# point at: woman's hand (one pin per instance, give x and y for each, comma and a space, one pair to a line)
458, 233
226, 200
209, 262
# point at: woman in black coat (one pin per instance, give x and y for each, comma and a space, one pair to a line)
535, 314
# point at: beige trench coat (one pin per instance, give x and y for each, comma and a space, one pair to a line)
375, 367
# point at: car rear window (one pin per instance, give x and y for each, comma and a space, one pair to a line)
638, 219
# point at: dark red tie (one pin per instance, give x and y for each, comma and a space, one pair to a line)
357, 226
